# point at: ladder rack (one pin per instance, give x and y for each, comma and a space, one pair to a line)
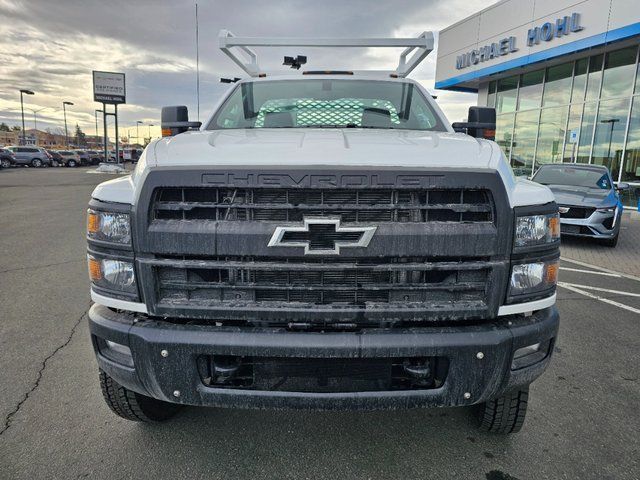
239, 50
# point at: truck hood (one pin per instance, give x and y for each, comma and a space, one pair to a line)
339, 147
324, 148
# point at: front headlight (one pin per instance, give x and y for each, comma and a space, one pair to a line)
111, 274
533, 230
606, 210
531, 278
109, 227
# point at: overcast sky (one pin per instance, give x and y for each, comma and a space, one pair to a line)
51, 47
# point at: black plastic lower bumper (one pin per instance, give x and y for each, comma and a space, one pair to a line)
164, 358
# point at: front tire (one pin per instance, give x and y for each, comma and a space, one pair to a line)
504, 414
72, 163
36, 163
133, 406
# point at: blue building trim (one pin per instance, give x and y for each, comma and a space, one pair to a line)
572, 47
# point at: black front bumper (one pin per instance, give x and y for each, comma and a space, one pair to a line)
174, 376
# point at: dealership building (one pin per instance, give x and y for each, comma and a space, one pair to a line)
563, 77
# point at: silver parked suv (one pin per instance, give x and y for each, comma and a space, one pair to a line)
33, 156
588, 201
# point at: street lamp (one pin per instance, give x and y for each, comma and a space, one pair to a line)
149, 130
138, 123
35, 120
95, 114
66, 132
25, 92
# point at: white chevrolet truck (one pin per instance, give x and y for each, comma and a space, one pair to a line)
325, 240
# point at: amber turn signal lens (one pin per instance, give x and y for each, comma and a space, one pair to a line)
554, 226
95, 269
552, 273
166, 132
93, 222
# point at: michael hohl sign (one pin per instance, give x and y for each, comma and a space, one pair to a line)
109, 87
546, 32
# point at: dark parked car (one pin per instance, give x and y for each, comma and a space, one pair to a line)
83, 156
588, 201
95, 157
56, 158
7, 158
33, 156
69, 158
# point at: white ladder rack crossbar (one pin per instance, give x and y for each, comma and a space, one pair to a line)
416, 49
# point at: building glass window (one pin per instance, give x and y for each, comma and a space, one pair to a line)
618, 73
586, 132
504, 132
530, 92
551, 135
491, 95
525, 133
631, 170
571, 141
609, 138
594, 78
507, 94
557, 86
579, 80
574, 112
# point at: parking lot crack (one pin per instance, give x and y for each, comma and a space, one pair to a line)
35, 267
43, 366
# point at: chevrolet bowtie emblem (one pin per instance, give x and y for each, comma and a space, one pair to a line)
321, 236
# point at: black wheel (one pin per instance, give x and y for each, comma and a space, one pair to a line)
54, 163
72, 163
36, 163
611, 242
134, 406
504, 414
5, 163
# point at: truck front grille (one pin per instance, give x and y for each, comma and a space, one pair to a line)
347, 282
351, 205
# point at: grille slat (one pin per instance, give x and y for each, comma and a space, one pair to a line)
365, 205
353, 282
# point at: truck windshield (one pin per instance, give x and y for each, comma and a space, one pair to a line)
574, 177
327, 103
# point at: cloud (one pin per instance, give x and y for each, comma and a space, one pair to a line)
52, 47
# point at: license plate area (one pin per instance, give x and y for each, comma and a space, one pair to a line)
322, 375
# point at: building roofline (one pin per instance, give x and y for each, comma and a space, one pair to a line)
478, 13
597, 40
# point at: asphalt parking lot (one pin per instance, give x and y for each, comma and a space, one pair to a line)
583, 420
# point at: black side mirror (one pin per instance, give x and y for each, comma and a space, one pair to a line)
481, 123
175, 120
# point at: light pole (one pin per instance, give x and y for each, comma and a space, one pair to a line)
66, 132
95, 114
35, 120
138, 123
149, 130
25, 92
612, 122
